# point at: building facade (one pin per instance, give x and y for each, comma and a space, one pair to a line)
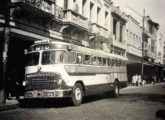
118, 30
96, 24
134, 47
160, 48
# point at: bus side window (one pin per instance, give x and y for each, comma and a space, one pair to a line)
87, 59
104, 62
94, 60
100, 61
119, 63
79, 58
122, 64
71, 57
109, 62
113, 62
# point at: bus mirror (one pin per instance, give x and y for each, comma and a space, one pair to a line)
69, 48
25, 51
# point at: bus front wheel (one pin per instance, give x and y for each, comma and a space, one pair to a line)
77, 95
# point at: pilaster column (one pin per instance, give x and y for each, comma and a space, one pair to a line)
118, 30
70, 4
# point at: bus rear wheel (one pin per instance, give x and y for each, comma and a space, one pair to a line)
77, 95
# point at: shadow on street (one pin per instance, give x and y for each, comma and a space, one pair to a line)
58, 103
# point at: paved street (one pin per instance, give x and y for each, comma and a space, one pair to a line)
133, 104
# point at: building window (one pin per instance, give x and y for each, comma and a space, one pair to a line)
65, 4
114, 26
106, 21
98, 14
121, 33
83, 7
91, 8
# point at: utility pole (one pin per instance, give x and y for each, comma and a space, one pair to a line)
4, 50
142, 59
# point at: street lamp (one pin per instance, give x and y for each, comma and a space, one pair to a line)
142, 59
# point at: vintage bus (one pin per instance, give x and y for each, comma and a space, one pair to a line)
57, 69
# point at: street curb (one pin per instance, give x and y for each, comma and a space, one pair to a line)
9, 107
136, 87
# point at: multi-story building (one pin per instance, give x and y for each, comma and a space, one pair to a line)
82, 22
118, 29
134, 46
163, 51
151, 29
152, 50
159, 48
97, 24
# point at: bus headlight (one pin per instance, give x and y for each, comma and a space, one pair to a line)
60, 81
24, 83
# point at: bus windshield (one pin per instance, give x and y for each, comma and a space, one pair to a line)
32, 59
53, 57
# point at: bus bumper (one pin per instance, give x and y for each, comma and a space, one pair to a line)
59, 93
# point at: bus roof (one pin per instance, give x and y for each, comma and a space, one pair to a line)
80, 49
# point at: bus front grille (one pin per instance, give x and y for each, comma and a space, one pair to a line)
40, 81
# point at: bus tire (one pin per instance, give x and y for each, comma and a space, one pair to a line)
77, 94
115, 92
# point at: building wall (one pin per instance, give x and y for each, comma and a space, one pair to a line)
118, 30
133, 37
159, 48
151, 28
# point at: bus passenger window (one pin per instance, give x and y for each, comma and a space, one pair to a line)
121, 63
113, 62
60, 56
87, 59
71, 57
100, 61
108, 62
79, 58
104, 62
94, 60
117, 63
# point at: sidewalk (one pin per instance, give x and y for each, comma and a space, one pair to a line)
147, 85
10, 104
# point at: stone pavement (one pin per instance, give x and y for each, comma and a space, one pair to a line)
10, 104
13, 104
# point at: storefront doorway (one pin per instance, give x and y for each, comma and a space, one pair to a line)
16, 66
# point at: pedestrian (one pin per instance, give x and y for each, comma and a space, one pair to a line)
139, 80
154, 79
134, 80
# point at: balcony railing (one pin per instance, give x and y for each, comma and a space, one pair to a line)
58, 12
75, 19
149, 54
134, 50
117, 43
42, 5
95, 28
117, 11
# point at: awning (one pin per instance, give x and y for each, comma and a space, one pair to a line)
134, 62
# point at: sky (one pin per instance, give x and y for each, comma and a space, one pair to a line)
153, 8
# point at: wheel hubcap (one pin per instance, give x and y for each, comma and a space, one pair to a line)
78, 94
